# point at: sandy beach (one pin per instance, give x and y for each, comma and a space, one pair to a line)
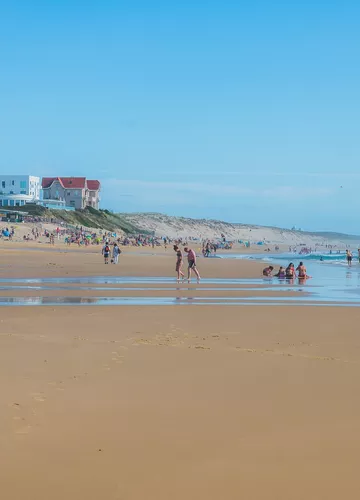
196, 402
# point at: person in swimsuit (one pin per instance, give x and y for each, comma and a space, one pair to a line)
281, 274
290, 272
192, 263
301, 269
349, 257
268, 271
179, 263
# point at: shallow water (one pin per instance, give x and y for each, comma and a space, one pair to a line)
312, 291
331, 285
163, 301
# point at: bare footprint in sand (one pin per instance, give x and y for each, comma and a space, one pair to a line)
39, 397
23, 430
117, 357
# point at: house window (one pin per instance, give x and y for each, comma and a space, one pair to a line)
13, 183
12, 203
18, 203
68, 193
72, 203
3, 184
76, 192
22, 184
1, 203
6, 203
23, 192
11, 192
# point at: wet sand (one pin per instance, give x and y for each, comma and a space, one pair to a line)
22, 261
176, 403
164, 403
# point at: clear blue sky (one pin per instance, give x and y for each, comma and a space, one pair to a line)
243, 111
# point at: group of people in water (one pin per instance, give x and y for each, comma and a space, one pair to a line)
288, 273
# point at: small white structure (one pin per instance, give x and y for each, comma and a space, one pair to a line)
17, 190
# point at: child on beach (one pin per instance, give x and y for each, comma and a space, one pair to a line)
268, 271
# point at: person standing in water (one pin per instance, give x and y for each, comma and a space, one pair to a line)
349, 257
179, 263
192, 264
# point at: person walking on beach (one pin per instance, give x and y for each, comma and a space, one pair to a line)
349, 257
192, 263
106, 253
116, 253
359, 254
179, 263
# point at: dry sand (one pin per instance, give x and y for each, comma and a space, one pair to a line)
200, 402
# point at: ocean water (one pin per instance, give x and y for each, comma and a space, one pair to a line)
331, 276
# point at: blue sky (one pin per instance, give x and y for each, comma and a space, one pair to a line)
242, 111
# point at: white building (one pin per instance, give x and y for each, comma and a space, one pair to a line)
17, 190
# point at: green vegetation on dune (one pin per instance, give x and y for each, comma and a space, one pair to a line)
135, 223
89, 217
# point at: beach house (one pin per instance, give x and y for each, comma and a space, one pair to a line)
76, 192
17, 190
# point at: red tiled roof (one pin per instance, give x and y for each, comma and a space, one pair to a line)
47, 181
66, 182
93, 185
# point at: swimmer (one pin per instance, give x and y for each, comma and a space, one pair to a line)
179, 263
268, 271
192, 263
